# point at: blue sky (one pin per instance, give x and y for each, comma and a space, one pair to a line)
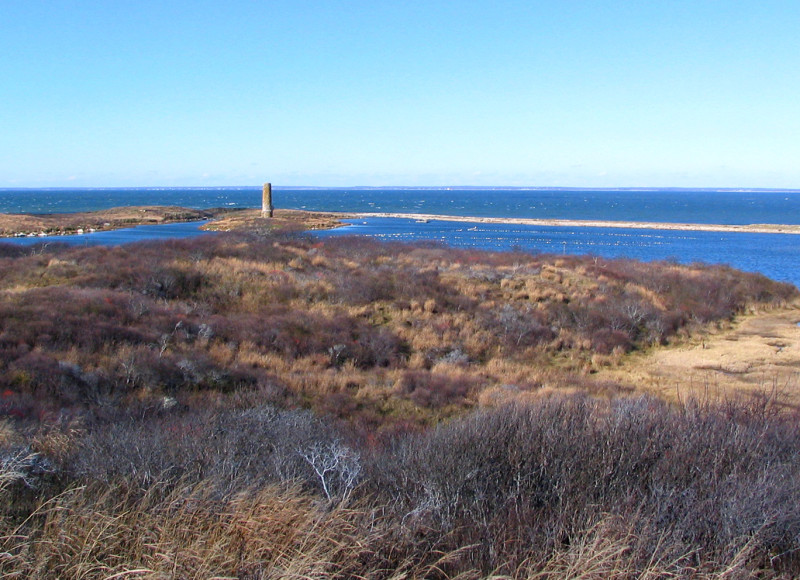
537, 93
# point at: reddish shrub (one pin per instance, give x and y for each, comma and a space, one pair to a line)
435, 390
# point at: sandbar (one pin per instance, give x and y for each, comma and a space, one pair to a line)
746, 228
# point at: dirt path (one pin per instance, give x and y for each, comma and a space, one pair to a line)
760, 352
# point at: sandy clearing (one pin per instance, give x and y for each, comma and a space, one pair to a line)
759, 352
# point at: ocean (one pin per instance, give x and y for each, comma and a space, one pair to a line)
648, 205
775, 255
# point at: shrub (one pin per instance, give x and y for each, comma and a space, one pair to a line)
696, 485
434, 390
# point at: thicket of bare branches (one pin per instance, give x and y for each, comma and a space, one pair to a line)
567, 486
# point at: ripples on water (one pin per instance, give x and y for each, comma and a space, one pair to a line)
774, 255
698, 206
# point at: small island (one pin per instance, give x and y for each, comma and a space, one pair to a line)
17, 225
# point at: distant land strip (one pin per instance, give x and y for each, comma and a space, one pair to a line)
748, 228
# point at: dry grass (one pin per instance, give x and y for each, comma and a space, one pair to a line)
183, 533
759, 353
284, 220
14, 224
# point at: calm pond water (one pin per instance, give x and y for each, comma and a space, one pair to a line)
121, 236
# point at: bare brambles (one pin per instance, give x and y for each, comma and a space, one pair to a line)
680, 486
567, 486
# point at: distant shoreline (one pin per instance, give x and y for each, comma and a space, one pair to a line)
734, 228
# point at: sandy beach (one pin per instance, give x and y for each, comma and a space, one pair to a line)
749, 228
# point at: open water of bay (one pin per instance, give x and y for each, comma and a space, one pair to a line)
775, 255
120, 236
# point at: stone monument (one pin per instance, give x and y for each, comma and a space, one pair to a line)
266, 201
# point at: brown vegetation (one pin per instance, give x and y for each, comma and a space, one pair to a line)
264, 404
757, 351
566, 487
282, 220
373, 333
107, 219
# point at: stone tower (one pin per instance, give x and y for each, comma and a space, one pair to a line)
266, 201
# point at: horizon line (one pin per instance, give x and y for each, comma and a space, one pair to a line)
413, 187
